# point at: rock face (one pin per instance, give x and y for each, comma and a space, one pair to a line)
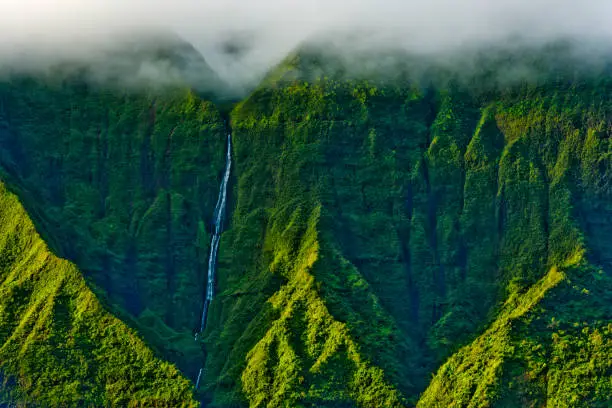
378, 232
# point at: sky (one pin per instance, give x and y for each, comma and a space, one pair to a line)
264, 31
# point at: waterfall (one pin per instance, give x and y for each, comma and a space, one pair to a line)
198, 380
214, 244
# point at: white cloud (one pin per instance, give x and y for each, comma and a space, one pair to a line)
268, 29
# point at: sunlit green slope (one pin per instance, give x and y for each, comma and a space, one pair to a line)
378, 227
437, 238
124, 184
58, 345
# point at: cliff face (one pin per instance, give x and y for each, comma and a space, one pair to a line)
378, 232
388, 225
124, 185
58, 345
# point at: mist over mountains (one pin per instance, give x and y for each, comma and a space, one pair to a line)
305, 203
242, 40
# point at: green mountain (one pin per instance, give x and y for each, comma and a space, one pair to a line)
58, 345
434, 237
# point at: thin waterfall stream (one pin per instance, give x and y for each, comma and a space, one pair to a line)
219, 215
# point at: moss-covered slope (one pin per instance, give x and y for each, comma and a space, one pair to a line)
550, 342
123, 183
58, 345
388, 224
379, 232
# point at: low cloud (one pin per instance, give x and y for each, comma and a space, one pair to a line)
242, 39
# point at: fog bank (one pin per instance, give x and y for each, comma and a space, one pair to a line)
242, 39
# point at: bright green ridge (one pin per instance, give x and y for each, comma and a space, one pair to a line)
300, 299
123, 184
433, 208
551, 342
58, 345
379, 233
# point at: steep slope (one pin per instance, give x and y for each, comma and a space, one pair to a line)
117, 160
58, 345
283, 176
379, 226
549, 346
378, 231
551, 342
123, 184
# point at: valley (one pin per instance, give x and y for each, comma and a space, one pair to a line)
329, 240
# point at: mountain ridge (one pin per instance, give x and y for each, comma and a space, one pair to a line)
379, 231
58, 345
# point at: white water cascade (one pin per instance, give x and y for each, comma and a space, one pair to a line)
214, 244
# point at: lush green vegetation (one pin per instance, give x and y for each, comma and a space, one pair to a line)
550, 342
379, 232
123, 184
58, 345
440, 209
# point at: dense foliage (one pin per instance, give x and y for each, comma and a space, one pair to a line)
551, 339
58, 346
379, 232
427, 214
124, 185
